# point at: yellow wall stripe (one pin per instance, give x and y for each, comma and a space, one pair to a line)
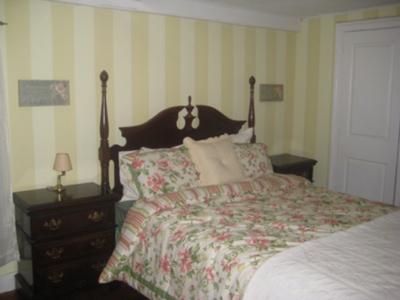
300, 88
19, 67
86, 98
260, 74
214, 64
201, 62
63, 66
270, 79
370, 14
250, 69
187, 65
227, 69
386, 11
280, 78
156, 64
122, 72
288, 95
43, 121
239, 77
172, 64
140, 67
312, 86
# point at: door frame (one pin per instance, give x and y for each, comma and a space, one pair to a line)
341, 29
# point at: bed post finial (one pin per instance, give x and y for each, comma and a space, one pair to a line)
104, 150
251, 118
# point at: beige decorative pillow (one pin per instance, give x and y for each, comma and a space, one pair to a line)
215, 160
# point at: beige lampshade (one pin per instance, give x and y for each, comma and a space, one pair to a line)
62, 162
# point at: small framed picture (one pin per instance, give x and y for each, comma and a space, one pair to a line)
43, 92
271, 92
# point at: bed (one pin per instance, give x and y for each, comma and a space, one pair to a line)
210, 220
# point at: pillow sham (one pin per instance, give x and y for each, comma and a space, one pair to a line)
243, 136
152, 173
215, 159
254, 159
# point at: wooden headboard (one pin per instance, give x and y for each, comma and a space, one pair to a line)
161, 131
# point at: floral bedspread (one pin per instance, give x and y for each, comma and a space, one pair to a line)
206, 243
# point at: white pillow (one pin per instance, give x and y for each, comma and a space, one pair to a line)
243, 136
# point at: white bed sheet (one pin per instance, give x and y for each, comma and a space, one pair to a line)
360, 263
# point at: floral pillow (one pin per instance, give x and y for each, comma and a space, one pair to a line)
152, 173
253, 159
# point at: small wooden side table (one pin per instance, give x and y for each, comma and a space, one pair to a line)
292, 164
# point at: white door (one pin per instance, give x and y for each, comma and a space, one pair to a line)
366, 110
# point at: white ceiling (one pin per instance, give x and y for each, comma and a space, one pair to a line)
300, 8
279, 14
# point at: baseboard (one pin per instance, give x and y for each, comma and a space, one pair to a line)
7, 283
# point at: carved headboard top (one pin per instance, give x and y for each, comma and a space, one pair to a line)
161, 131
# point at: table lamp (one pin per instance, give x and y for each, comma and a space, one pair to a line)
62, 163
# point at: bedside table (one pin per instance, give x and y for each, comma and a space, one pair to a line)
63, 244
292, 164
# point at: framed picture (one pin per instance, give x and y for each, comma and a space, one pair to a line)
271, 92
43, 92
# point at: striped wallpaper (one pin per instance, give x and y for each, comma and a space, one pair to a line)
157, 61
154, 62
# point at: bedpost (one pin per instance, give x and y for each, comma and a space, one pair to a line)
251, 119
104, 150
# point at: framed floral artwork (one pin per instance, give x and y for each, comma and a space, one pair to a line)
43, 92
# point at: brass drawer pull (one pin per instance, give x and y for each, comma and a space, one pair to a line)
98, 243
56, 276
55, 253
98, 266
52, 224
96, 216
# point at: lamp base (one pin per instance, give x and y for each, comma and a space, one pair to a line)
58, 188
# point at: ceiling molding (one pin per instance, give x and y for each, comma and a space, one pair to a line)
198, 10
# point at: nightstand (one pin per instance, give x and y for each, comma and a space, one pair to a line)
64, 240
292, 164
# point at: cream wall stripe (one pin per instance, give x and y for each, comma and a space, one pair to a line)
187, 64
323, 128
260, 74
280, 78
201, 62
18, 66
63, 66
270, 73
156, 64
288, 96
300, 89
214, 65
238, 71
140, 67
172, 61
227, 69
42, 68
312, 86
122, 51
86, 86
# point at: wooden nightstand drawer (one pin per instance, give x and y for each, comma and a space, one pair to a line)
72, 275
71, 248
64, 239
60, 224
